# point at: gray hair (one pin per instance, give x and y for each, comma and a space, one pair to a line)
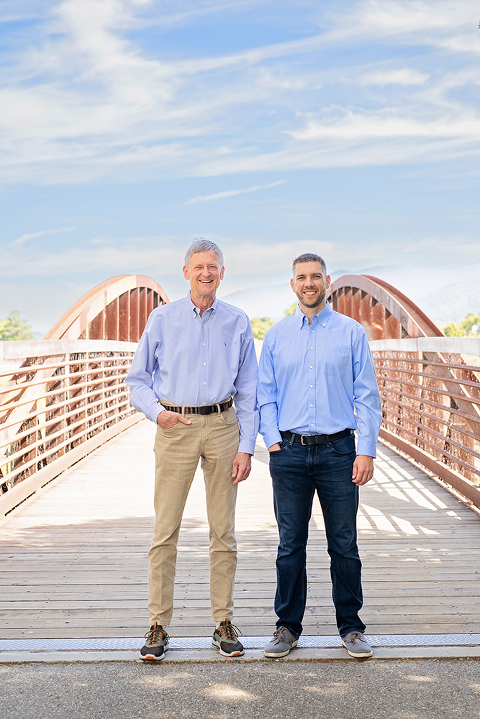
310, 257
201, 245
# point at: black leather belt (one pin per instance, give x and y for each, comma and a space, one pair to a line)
206, 409
307, 439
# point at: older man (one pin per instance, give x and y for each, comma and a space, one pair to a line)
194, 375
316, 385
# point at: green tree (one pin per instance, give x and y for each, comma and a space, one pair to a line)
468, 327
290, 310
259, 326
14, 328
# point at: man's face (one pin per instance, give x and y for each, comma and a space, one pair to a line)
310, 284
205, 273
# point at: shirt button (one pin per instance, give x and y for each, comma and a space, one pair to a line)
311, 330
311, 425
204, 364
311, 348
204, 344
204, 383
311, 385
311, 405
311, 366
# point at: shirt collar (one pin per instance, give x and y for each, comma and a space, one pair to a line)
196, 310
322, 317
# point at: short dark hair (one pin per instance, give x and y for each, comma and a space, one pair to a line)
309, 257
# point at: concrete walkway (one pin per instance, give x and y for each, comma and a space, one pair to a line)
332, 690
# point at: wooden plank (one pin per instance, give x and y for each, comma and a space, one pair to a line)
77, 567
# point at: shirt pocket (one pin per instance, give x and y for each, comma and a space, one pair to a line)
336, 360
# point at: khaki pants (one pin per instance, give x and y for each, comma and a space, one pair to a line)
213, 438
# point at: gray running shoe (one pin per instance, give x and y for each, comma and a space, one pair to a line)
280, 644
156, 645
356, 645
225, 637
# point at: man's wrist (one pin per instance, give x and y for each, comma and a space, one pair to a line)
271, 438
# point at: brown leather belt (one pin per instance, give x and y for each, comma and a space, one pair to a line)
206, 409
316, 438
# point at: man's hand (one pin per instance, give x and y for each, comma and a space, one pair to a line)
242, 464
275, 447
167, 420
362, 469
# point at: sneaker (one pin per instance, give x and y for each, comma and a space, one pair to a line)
356, 645
226, 638
280, 644
156, 644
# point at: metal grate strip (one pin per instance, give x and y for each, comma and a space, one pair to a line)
315, 642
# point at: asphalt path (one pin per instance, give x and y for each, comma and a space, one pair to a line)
430, 689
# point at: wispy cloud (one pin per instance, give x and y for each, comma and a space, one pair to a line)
85, 101
404, 76
231, 193
32, 236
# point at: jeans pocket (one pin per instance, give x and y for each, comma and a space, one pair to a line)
278, 451
343, 446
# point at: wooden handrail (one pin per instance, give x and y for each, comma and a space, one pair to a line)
445, 438
90, 405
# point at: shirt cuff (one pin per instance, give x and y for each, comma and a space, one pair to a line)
246, 445
367, 448
273, 437
154, 412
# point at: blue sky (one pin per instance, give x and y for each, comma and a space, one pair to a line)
129, 127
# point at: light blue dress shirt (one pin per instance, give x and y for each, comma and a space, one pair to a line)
194, 361
314, 378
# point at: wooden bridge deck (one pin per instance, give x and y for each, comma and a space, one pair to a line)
74, 560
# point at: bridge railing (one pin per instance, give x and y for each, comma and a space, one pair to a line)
430, 392
59, 400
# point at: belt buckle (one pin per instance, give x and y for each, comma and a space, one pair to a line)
301, 439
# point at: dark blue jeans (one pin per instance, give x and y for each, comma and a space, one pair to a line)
297, 472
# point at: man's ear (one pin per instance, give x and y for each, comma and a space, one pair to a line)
292, 284
222, 272
186, 273
328, 281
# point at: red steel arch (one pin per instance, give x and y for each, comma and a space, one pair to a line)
384, 311
116, 309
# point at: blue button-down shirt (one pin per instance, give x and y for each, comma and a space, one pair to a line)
194, 361
314, 378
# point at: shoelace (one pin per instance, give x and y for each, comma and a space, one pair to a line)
230, 630
356, 637
155, 634
280, 634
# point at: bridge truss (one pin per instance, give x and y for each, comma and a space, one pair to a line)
62, 397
